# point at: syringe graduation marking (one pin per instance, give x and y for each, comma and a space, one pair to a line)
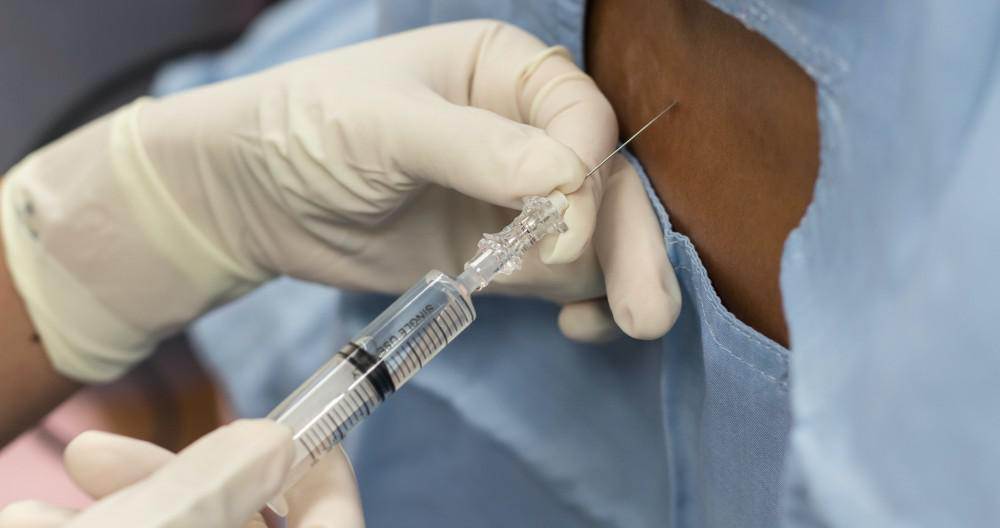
384, 374
332, 426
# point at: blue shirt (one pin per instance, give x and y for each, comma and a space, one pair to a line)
883, 414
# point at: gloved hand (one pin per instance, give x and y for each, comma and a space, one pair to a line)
222, 480
361, 168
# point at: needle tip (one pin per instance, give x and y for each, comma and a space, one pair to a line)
629, 140
665, 110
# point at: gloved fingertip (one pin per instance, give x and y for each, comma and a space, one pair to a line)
647, 317
580, 216
646, 329
542, 165
674, 305
563, 249
34, 514
672, 295
279, 505
625, 319
588, 322
15, 509
547, 248
572, 172
84, 447
86, 441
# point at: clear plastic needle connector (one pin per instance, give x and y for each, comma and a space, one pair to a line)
542, 216
407, 335
501, 252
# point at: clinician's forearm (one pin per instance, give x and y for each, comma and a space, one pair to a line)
29, 386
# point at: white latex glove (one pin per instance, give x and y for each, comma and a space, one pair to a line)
220, 481
360, 168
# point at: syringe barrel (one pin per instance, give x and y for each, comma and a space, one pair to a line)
380, 360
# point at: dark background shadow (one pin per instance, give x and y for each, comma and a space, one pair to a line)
63, 62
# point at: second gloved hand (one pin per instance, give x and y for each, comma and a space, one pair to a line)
220, 481
360, 168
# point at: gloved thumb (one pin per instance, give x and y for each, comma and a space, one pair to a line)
102, 463
223, 479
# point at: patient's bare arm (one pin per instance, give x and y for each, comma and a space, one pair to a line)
735, 162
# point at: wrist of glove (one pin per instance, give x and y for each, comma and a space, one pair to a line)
221, 480
360, 168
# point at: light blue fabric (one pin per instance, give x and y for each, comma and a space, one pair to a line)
889, 288
890, 282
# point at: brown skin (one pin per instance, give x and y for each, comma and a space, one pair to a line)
736, 160
29, 386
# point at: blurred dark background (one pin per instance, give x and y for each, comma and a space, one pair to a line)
63, 62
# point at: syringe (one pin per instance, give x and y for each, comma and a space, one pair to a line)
407, 335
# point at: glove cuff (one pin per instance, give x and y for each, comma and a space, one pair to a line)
104, 258
64, 312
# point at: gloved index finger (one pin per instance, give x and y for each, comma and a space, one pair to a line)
518, 77
643, 291
480, 154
